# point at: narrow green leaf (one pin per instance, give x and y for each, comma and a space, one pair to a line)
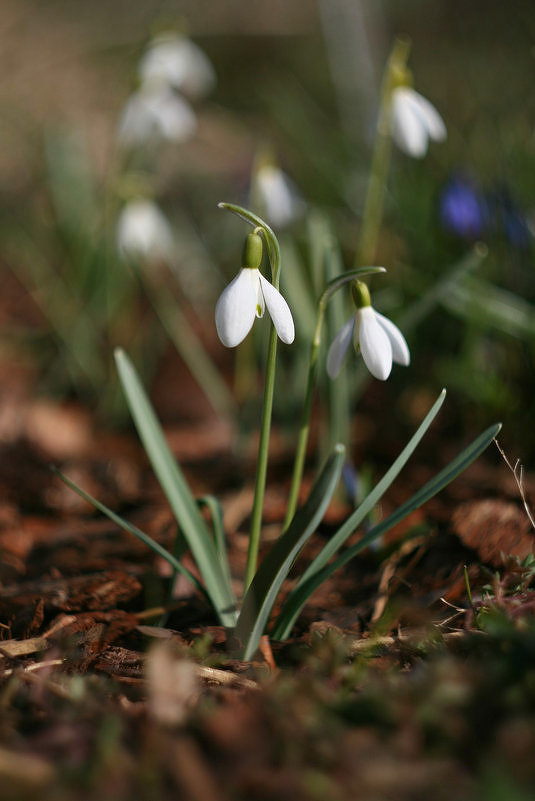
216, 513
137, 532
297, 600
268, 580
177, 492
356, 518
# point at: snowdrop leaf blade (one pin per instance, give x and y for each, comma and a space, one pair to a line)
286, 620
261, 595
177, 491
338, 348
374, 344
236, 309
400, 349
126, 526
304, 590
279, 311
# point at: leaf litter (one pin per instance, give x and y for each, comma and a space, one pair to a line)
116, 682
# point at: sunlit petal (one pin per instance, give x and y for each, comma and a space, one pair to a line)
279, 311
374, 344
156, 113
177, 61
143, 231
432, 120
408, 129
236, 308
400, 349
338, 348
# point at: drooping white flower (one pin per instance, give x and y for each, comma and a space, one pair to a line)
277, 195
414, 122
176, 61
143, 231
247, 297
378, 339
156, 112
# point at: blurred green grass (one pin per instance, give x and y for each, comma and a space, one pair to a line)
286, 79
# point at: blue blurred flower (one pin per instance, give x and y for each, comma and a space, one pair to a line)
508, 219
463, 209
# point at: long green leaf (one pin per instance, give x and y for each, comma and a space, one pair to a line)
216, 513
297, 600
137, 532
268, 580
356, 518
177, 492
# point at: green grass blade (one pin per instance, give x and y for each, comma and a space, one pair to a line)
299, 597
216, 513
177, 492
268, 580
137, 532
356, 518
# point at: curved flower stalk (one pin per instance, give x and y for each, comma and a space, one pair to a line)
156, 112
143, 232
378, 339
414, 122
247, 297
176, 61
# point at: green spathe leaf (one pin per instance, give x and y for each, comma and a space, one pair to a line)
268, 580
356, 518
177, 492
126, 526
299, 597
271, 240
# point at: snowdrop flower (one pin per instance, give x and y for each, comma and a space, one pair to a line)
276, 194
143, 232
156, 112
174, 60
378, 339
414, 122
247, 296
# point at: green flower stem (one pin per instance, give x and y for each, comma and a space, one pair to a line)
375, 195
261, 464
304, 428
274, 256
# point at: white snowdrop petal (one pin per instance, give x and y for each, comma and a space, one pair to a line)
400, 349
408, 128
143, 231
235, 310
374, 344
434, 123
174, 116
177, 61
279, 311
338, 348
156, 112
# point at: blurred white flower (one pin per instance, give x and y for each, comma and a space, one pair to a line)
277, 195
378, 339
156, 112
245, 298
143, 232
414, 122
176, 61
